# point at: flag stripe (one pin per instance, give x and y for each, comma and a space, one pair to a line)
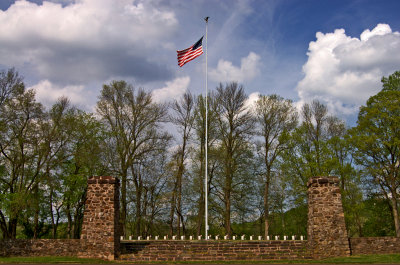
185, 58
187, 55
190, 53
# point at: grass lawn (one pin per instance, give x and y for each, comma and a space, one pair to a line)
72, 260
363, 259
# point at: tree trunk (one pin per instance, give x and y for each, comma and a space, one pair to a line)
138, 205
138, 211
56, 223
181, 169
395, 214
201, 202
179, 200
144, 212
78, 219
69, 221
227, 217
172, 212
123, 204
227, 198
200, 215
3, 225
12, 228
36, 215
51, 213
266, 206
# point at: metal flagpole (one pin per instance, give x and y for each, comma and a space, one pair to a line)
206, 143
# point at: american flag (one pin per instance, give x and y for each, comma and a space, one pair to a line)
190, 53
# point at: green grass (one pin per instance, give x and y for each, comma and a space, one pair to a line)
362, 259
50, 260
383, 258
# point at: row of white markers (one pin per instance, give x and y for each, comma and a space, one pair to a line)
243, 237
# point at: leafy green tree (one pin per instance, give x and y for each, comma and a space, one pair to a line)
376, 140
308, 154
343, 167
84, 158
276, 118
378, 219
133, 121
23, 156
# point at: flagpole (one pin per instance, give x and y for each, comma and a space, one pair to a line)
206, 143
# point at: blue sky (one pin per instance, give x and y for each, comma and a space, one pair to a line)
331, 50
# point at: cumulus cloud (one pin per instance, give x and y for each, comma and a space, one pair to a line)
227, 72
48, 93
86, 40
251, 100
173, 89
343, 71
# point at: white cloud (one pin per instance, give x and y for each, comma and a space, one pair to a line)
173, 89
227, 72
48, 93
86, 40
251, 100
343, 72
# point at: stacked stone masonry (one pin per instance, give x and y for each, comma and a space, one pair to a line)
327, 236
375, 245
42, 247
326, 228
101, 218
170, 250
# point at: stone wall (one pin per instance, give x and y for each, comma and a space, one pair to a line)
41, 247
100, 226
327, 236
170, 250
375, 245
99, 237
326, 228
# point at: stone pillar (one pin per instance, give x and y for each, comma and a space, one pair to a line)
327, 234
100, 228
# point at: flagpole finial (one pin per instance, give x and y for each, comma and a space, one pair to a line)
206, 19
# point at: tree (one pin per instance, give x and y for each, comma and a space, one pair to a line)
183, 118
308, 154
84, 157
235, 126
133, 121
376, 140
23, 155
276, 119
10, 84
343, 167
198, 159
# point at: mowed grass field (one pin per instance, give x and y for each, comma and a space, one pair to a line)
363, 259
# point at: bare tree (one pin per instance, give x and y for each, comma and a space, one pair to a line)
235, 126
10, 83
199, 155
183, 117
